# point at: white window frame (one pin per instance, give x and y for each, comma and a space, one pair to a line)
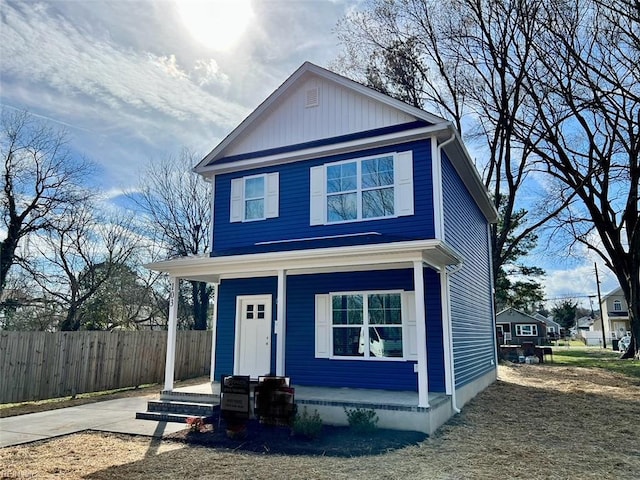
403, 202
533, 327
617, 306
404, 326
246, 198
359, 188
270, 197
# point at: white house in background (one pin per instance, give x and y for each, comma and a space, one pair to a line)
615, 314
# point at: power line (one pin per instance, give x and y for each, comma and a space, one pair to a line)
566, 296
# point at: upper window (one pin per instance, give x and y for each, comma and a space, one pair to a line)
254, 197
362, 189
617, 306
526, 330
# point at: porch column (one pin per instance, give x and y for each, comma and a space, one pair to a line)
281, 322
214, 326
171, 334
421, 333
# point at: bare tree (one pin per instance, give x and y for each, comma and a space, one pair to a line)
40, 181
466, 60
78, 256
177, 207
584, 98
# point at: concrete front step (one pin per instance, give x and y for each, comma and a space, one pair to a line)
186, 408
163, 417
173, 396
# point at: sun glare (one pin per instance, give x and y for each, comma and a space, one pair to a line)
217, 24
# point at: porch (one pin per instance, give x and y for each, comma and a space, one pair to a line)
395, 410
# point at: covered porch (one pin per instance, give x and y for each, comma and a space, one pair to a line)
414, 255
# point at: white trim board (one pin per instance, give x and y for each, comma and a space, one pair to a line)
434, 253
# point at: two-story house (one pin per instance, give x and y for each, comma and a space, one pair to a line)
350, 253
615, 315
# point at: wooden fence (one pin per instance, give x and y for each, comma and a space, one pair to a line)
40, 365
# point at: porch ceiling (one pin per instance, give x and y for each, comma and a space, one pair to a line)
383, 256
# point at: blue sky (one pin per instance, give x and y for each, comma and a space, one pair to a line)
133, 81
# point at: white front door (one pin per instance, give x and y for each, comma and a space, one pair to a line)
253, 336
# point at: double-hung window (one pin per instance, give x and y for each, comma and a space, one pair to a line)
366, 325
617, 306
362, 189
254, 197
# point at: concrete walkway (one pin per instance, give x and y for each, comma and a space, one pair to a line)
118, 416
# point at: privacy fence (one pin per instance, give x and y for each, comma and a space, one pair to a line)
40, 365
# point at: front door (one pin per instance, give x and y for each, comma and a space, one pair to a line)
253, 336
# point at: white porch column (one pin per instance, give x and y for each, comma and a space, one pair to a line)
421, 333
214, 326
171, 334
281, 312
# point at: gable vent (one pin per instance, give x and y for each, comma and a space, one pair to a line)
312, 97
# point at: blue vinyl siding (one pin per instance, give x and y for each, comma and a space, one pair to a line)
293, 220
228, 291
465, 229
435, 345
301, 364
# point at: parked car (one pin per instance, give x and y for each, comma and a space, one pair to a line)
624, 343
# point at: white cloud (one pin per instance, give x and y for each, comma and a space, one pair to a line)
131, 84
40, 48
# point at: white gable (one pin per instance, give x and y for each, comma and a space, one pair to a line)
316, 108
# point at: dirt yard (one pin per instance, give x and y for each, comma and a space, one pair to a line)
537, 421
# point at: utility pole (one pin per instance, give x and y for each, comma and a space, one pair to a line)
604, 334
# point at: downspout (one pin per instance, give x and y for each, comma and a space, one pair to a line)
436, 167
446, 300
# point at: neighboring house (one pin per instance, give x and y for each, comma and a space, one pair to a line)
516, 327
585, 324
615, 315
350, 252
554, 329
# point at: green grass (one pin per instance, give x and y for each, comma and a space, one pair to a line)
594, 357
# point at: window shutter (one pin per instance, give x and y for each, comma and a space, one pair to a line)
272, 197
404, 183
410, 344
317, 201
237, 196
323, 326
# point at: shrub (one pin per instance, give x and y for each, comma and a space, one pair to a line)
307, 425
362, 420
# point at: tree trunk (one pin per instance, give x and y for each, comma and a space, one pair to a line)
200, 295
632, 295
71, 322
7, 252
